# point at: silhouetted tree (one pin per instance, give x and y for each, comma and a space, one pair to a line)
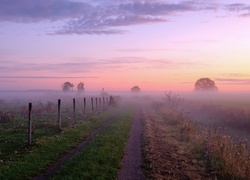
103, 93
80, 87
205, 84
135, 89
67, 86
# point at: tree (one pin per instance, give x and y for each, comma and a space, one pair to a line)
205, 84
80, 87
135, 89
67, 86
103, 93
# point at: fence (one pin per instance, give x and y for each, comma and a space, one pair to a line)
52, 117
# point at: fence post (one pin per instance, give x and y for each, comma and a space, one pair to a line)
100, 104
107, 101
92, 105
103, 102
96, 104
59, 115
84, 106
74, 110
30, 125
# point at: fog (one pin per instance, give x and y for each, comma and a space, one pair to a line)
230, 111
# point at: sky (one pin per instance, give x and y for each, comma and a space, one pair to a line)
117, 44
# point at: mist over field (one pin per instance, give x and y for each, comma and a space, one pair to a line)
228, 110
88, 76
211, 117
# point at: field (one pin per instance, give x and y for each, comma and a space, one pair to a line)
186, 136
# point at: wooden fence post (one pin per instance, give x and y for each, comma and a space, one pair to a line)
96, 104
84, 106
92, 105
30, 125
74, 110
107, 100
100, 104
103, 102
59, 115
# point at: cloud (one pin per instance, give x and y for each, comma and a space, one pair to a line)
233, 81
142, 50
105, 16
72, 67
86, 65
40, 10
4, 52
8, 81
154, 50
197, 41
235, 74
105, 25
240, 9
47, 77
95, 17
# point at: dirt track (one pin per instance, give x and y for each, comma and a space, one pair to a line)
159, 157
56, 166
165, 157
132, 160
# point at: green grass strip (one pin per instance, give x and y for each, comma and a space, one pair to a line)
45, 151
102, 156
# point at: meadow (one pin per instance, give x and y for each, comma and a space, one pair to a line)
217, 127
44, 114
228, 112
207, 135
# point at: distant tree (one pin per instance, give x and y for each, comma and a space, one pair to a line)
103, 93
80, 87
67, 86
135, 89
205, 84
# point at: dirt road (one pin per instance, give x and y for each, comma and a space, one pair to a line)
132, 160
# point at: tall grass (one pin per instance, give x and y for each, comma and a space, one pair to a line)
226, 156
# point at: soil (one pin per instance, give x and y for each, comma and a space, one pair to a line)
164, 156
132, 161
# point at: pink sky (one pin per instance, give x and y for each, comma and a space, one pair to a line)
157, 45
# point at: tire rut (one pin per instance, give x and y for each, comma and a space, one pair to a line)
64, 159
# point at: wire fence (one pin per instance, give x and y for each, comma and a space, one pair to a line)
45, 118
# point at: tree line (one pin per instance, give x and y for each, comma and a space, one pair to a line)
68, 86
201, 85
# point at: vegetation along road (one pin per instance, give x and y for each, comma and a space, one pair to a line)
141, 138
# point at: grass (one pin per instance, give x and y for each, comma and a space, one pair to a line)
30, 161
101, 158
222, 111
14, 123
166, 147
224, 156
228, 159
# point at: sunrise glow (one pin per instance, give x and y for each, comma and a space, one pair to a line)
157, 45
